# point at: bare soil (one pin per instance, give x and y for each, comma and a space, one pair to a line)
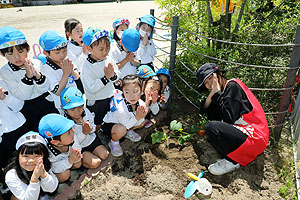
147, 171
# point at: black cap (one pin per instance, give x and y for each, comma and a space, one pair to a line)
206, 70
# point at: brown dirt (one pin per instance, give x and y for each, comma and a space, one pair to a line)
147, 171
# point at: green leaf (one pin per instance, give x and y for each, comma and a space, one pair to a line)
174, 125
183, 139
157, 137
195, 129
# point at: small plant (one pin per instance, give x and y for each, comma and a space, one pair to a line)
177, 132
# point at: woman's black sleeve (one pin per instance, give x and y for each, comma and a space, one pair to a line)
232, 103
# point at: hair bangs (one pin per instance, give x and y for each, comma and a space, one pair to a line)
31, 148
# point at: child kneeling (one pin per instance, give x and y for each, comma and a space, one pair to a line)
126, 114
93, 151
63, 145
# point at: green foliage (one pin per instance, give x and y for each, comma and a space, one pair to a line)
263, 22
286, 175
176, 132
157, 137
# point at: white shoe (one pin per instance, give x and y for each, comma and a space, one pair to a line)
222, 166
133, 136
116, 149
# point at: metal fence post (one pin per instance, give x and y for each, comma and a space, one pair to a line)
152, 12
286, 97
174, 26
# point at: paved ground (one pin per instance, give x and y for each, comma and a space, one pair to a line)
33, 21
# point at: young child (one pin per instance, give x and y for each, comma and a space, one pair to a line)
146, 51
93, 151
119, 26
23, 78
99, 73
122, 52
152, 92
63, 145
12, 124
29, 171
128, 115
76, 50
60, 71
164, 75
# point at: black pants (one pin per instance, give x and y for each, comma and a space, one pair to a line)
8, 144
34, 109
100, 108
224, 137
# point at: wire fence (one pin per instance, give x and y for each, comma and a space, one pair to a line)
165, 26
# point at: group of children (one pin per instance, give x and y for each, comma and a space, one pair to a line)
45, 122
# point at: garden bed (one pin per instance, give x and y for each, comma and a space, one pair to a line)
158, 171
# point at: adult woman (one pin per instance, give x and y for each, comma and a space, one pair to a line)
239, 129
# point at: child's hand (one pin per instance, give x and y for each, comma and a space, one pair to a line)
154, 96
130, 57
38, 170
162, 99
2, 94
148, 98
28, 68
145, 40
84, 49
75, 156
109, 71
35, 72
86, 127
140, 112
67, 66
43, 172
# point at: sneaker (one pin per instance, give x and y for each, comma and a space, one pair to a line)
116, 149
133, 136
222, 166
148, 123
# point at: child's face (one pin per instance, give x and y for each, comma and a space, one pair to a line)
17, 57
100, 51
67, 138
120, 28
147, 28
76, 33
28, 161
152, 85
58, 56
132, 92
164, 79
76, 112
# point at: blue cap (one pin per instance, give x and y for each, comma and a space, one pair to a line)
71, 97
54, 125
93, 34
131, 39
51, 40
144, 71
148, 19
10, 37
120, 21
163, 71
